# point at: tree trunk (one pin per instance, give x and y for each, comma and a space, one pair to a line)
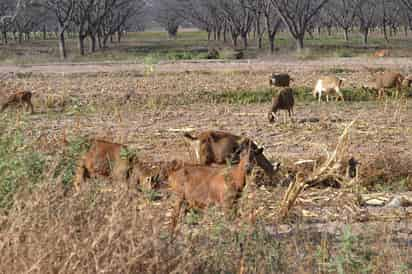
62, 45
346, 34
99, 40
92, 43
5, 37
385, 32
365, 36
119, 36
81, 44
244, 38
20, 37
234, 39
329, 30
299, 43
209, 35
271, 38
405, 30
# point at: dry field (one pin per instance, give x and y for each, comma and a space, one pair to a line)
107, 228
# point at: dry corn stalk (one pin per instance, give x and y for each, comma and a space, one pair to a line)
327, 169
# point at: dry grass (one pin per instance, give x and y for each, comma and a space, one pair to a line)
116, 228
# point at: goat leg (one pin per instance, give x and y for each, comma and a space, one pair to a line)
175, 217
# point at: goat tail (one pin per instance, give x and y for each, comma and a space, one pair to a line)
188, 136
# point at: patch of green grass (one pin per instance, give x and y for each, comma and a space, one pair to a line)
20, 166
344, 53
238, 97
352, 256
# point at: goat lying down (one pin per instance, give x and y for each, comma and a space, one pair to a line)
105, 159
218, 147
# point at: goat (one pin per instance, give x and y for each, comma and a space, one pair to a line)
328, 85
386, 80
103, 159
218, 147
18, 98
203, 186
283, 100
381, 53
152, 175
280, 80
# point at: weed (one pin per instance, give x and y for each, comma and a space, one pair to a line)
20, 166
350, 257
343, 53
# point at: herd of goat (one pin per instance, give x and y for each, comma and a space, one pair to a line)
223, 159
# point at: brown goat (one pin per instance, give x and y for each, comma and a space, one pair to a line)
103, 159
202, 186
280, 80
218, 147
18, 98
386, 80
328, 85
283, 100
153, 175
381, 53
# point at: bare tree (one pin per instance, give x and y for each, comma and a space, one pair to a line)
297, 14
240, 17
168, 14
62, 11
366, 13
204, 14
343, 13
273, 23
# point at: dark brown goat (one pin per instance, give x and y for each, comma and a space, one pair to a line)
280, 80
18, 98
282, 101
218, 147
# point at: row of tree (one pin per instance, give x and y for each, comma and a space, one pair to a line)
97, 20
100, 20
240, 18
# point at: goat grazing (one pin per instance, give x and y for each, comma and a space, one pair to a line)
384, 81
202, 186
103, 159
217, 147
18, 98
280, 80
283, 100
328, 85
